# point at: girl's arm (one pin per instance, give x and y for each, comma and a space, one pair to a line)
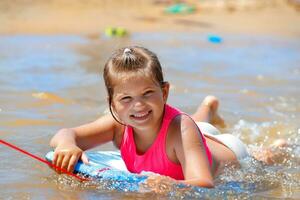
70, 143
190, 151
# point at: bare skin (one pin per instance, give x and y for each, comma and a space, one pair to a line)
208, 112
273, 154
132, 101
184, 145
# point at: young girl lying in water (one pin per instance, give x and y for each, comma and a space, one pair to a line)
151, 135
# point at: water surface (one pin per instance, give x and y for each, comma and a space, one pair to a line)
50, 82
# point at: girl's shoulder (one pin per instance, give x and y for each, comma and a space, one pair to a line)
118, 134
181, 122
177, 134
179, 127
108, 124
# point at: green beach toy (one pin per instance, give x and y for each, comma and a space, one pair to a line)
120, 32
110, 31
115, 32
180, 8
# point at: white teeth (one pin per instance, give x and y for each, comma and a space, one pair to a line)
140, 115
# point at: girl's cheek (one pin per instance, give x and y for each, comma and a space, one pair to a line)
156, 98
123, 105
121, 108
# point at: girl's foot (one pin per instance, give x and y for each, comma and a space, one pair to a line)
279, 143
208, 112
274, 154
213, 103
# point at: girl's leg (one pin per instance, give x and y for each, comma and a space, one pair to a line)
208, 112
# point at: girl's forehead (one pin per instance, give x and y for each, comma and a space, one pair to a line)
135, 80
125, 78
128, 84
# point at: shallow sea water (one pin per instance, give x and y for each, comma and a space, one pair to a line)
50, 82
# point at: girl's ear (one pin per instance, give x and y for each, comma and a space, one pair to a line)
165, 90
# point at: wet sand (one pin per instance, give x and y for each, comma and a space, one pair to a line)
273, 17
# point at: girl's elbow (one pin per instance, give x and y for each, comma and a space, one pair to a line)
201, 183
58, 137
210, 184
51, 143
53, 140
206, 183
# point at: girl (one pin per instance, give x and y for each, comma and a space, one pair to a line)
151, 135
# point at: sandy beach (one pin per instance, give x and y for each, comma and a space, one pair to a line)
277, 17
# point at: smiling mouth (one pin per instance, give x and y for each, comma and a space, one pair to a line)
141, 116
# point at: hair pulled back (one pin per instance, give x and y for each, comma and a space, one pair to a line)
129, 62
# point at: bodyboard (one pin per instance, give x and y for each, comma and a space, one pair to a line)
108, 166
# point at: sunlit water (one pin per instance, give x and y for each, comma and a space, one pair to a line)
50, 82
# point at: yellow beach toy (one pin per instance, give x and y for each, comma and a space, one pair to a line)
115, 32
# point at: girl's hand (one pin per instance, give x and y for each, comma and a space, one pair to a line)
158, 183
67, 156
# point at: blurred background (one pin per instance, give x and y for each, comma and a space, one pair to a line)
246, 52
279, 17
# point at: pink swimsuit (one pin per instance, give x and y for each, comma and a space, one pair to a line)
155, 159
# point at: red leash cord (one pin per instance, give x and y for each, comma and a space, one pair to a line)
42, 160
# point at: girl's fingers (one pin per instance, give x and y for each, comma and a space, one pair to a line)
59, 163
56, 160
73, 161
65, 162
85, 159
55, 157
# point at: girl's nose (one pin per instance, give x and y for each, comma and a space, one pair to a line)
139, 102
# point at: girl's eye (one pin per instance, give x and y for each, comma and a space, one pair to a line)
148, 93
126, 99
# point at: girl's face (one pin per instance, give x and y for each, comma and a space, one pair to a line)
139, 102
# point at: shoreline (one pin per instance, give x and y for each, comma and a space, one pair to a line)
61, 18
